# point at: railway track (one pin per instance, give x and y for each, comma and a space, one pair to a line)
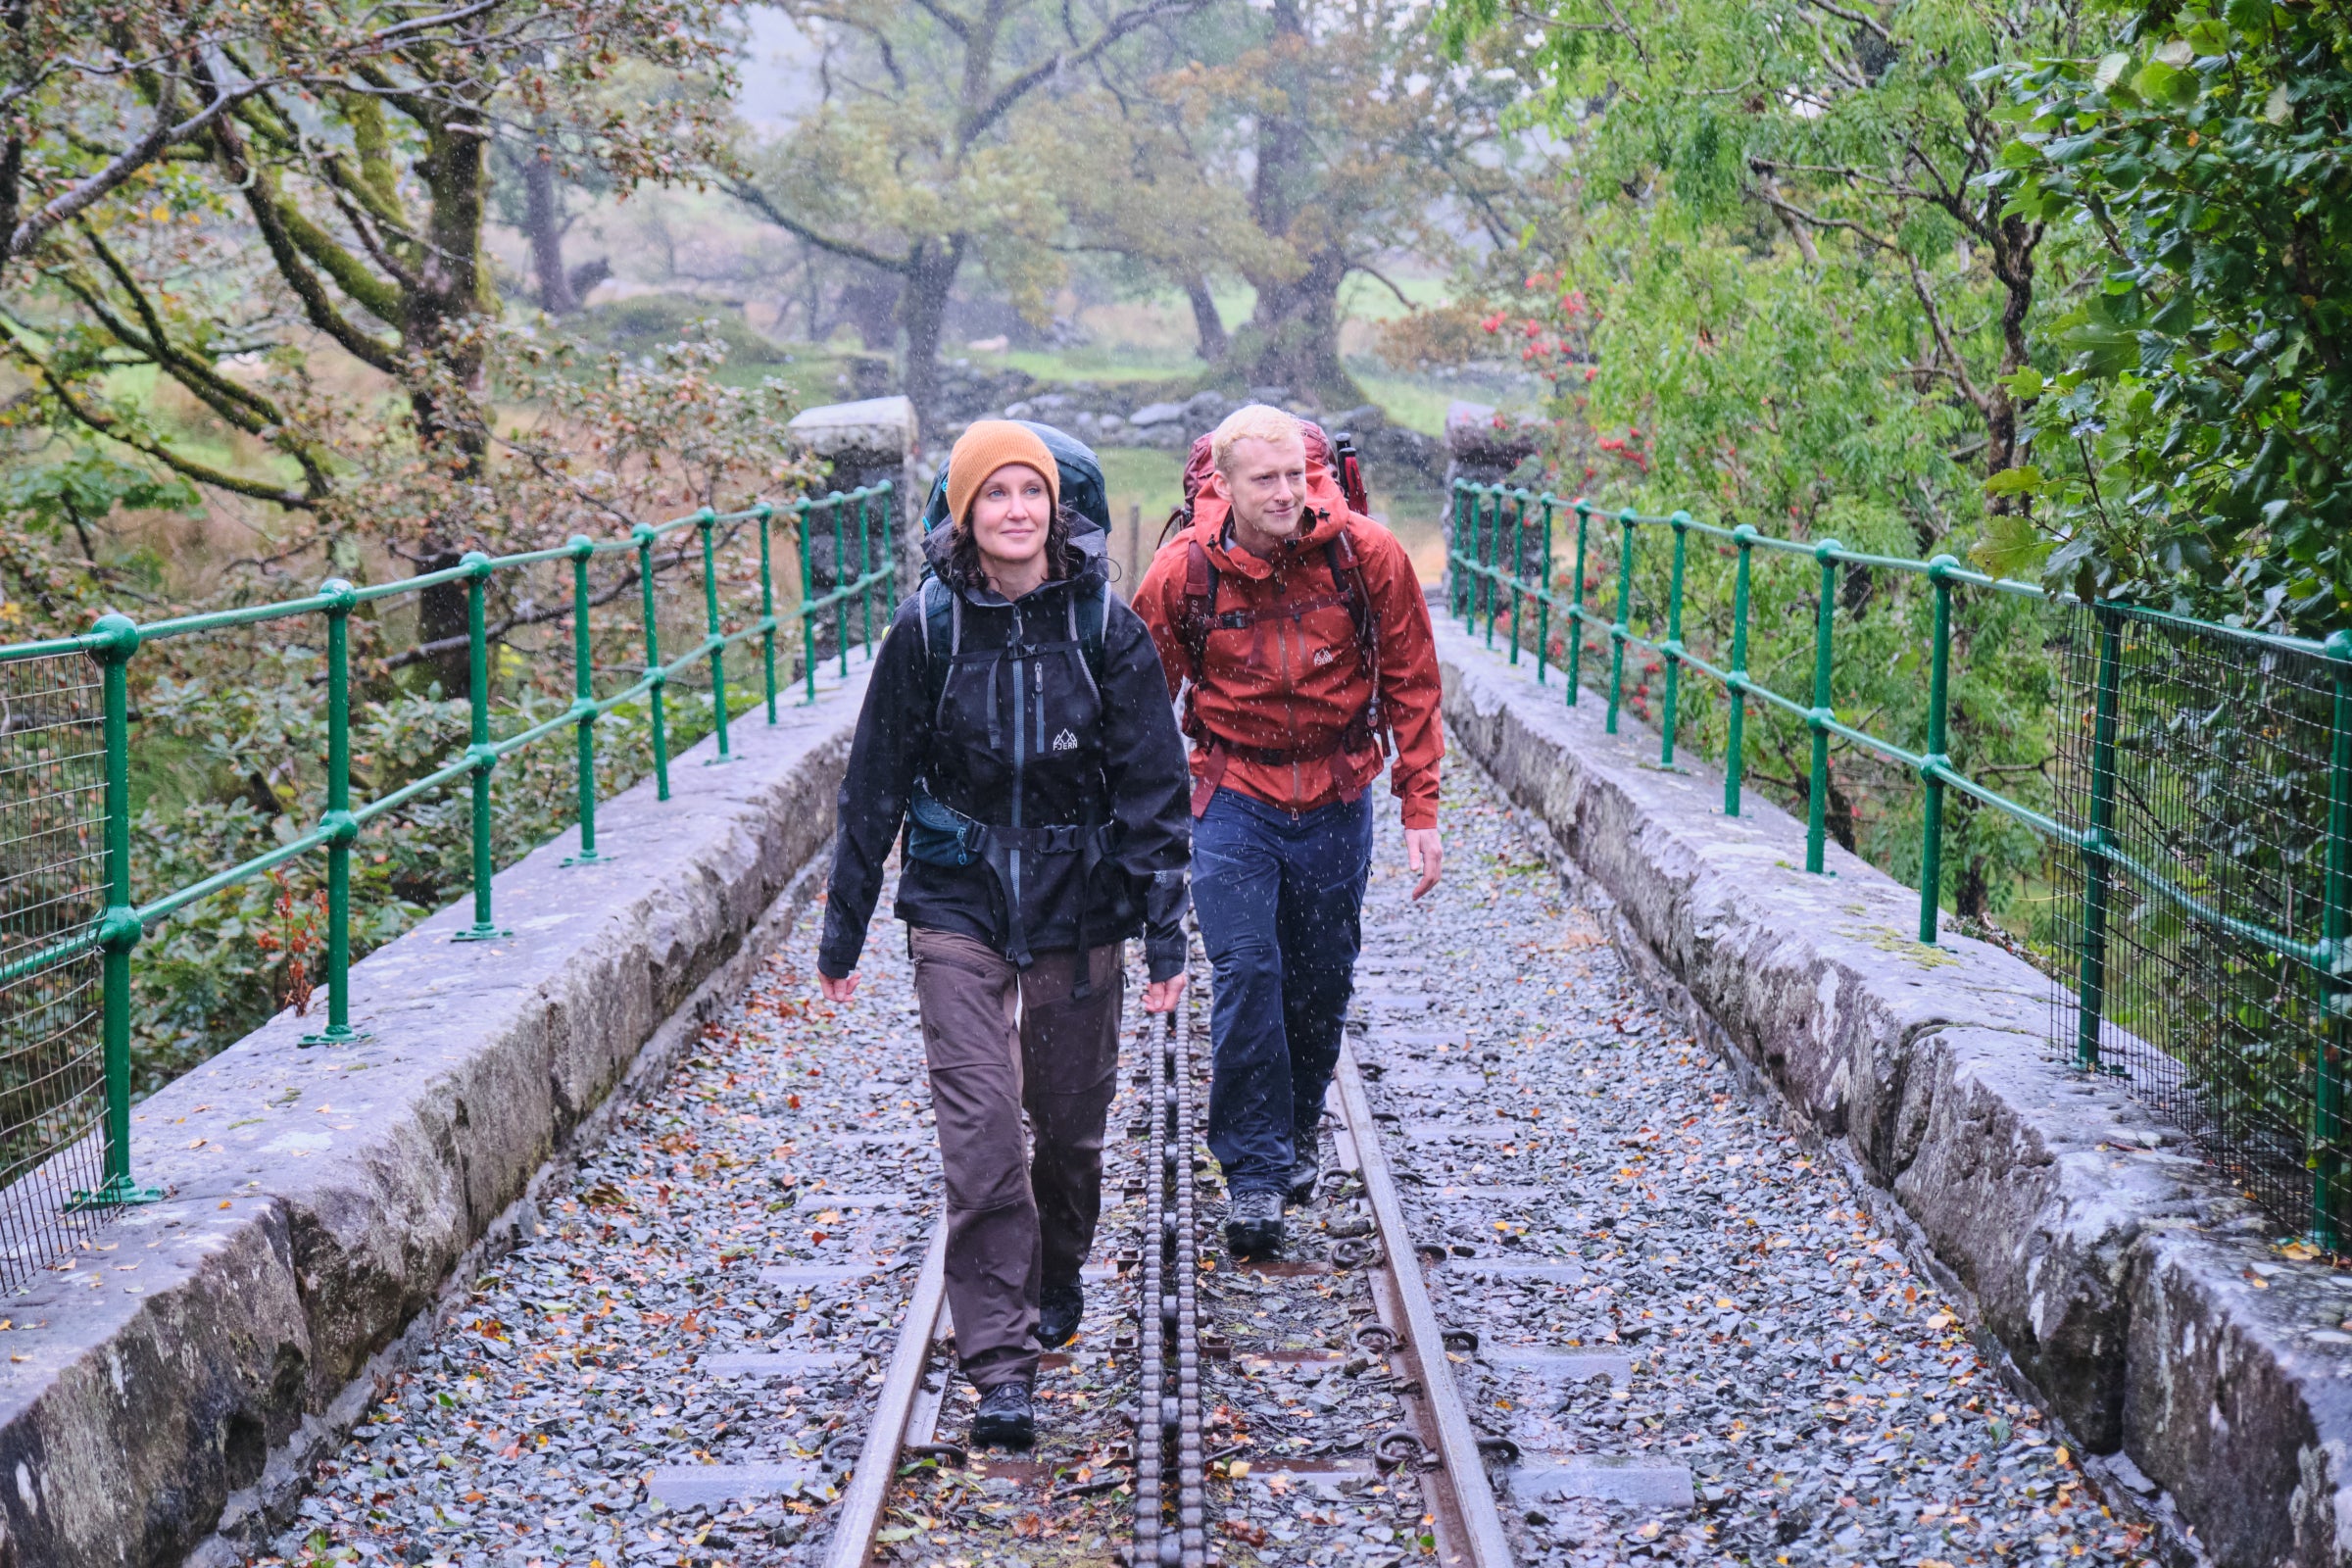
1257, 1412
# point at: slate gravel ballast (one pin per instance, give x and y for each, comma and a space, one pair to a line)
1694, 1340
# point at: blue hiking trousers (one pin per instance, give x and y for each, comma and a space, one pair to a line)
1280, 901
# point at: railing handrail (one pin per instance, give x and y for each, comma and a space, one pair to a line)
1830, 550
1479, 578
115, 639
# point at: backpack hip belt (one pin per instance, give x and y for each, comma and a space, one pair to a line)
937, 834
1218, 755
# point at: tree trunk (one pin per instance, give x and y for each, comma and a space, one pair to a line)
543, 226
443, 307
1294, 336
1206, 322
1293, 333
922, 313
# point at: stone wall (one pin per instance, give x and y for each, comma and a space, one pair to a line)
2206, 1379
179, 1380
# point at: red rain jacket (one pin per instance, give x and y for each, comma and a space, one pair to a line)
1275, 712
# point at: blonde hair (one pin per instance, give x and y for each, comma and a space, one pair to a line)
1253, 422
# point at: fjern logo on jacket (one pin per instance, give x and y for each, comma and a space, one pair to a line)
1066, 742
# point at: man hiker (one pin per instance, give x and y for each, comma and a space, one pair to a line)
1297, 632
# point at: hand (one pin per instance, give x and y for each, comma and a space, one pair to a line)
1162, 995
841, 990
1423, 854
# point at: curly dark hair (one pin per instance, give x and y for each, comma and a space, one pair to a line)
1064, 560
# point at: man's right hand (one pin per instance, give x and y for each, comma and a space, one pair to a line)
841, 990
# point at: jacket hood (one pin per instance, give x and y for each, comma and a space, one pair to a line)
1086, 535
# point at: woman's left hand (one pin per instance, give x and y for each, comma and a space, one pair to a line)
1160, 996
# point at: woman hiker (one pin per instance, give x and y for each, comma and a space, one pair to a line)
1018, 721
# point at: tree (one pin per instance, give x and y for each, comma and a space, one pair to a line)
1351, 140
1810, 122
342, 158
1789, 298
2206, 164
908, 165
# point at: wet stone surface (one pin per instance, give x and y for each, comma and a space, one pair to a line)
661, 1324
1608, 1193
1702, 1349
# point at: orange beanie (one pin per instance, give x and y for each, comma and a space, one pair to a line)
987, 446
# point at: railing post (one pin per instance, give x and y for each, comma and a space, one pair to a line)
705, 523
657, 710
1681, 523
1930, 840
841, 599
2328, 1105
2090, 995
1544, 595
1576, 603
1486, 556
118, 927
767, 608
484, 927
1735, 738
866, 572
1618, 629
342, 828
1519, 499
1817, 793
889, 493
800, 510
583, 698
1455, 579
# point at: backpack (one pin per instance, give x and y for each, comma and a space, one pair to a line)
1082, 491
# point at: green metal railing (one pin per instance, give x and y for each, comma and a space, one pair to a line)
1501, 557
863, 561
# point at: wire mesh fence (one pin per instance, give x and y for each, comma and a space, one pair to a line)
2203, 968
80, 890
52, 889
2164, 806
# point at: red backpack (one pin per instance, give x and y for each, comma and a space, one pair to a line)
1200, 616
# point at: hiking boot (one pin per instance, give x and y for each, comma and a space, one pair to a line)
1306, 1172
1253, 1225
1058, 1313
1006, 1419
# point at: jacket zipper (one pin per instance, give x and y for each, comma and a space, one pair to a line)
1013, 856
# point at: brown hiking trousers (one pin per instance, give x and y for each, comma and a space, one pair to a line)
1001, 1041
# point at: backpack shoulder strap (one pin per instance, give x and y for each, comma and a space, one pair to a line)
1199, 601
1093, 610
1348, 581
942, 630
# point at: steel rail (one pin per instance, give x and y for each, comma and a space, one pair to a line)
861, 1507
1460, 1466
1190, 1499
1152, 1327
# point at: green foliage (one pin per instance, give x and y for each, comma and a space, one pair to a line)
84, 483
2207, 161
1777, 298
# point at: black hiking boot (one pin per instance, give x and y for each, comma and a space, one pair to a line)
1006, 1419
1253, 1225
1058, 1313
1306, 1172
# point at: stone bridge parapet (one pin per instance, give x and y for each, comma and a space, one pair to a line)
321, 1202
2206, 1378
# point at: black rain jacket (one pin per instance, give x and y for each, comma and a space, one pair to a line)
1068, 750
